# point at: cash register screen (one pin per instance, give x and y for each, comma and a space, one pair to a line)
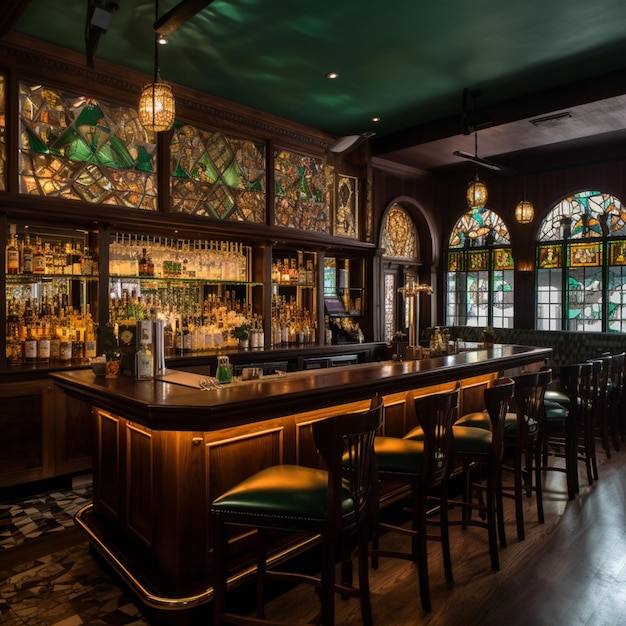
334, 306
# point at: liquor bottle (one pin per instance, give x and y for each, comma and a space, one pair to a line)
44, 345
90, 338
30, 347
145, 363
39, 258
13, 253
55, 343
143, 263
86, 268
27, 256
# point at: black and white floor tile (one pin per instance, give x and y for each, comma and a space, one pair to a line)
64, 588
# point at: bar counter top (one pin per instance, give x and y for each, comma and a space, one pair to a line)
161, 405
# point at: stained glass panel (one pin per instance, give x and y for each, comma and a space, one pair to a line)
301, 192
480, 275
479, 227
3, 144
616, 298
399, 235
583, 215
390, 306
80, 148
346, 207
598, 221
217, 176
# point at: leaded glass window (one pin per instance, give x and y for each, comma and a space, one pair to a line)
217, 176
581, 282
79, 148
400, 243
399, 235
480, 272
301, 192
3, 144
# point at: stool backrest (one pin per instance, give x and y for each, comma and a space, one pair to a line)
346, 444
576, 380
436, 413
497, 401
530, 390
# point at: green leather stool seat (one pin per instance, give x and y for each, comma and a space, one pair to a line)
555, 395
471, 440
399, 456
290, 492
476, 419
510, 426
555, 413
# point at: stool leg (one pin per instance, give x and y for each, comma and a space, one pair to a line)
220, 545
500, 507
364, 580
491, 517
517, 475
261, 566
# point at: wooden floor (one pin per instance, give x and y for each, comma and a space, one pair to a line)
569, 571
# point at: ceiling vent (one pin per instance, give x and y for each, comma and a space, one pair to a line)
550, 120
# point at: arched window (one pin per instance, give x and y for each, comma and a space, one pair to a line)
480, 271
581, 265
400, 245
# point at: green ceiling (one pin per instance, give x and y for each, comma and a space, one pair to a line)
406, 61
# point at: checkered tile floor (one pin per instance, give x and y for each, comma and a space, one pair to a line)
65, 588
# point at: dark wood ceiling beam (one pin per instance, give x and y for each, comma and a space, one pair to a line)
10, 12
177, 16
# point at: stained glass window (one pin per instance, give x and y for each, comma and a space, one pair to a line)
80, 148
217, 176
390, 294
301, 192
480, 272
3, 144
346, 207
580, 241
399, 235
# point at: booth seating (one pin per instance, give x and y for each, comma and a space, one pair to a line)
423, 459
567, 346
334, 502
478, 448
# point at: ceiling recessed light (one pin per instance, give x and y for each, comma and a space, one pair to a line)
376, 119
332, 75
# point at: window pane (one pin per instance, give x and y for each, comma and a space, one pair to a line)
549, 299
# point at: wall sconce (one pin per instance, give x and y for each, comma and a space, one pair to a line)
525, 265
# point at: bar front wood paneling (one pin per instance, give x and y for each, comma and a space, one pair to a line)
164, 451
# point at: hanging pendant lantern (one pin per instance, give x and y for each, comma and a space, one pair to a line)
476, 194
157, 107
524, 212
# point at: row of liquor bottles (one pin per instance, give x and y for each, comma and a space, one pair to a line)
26, 255
69, 338
293, 271
162, 257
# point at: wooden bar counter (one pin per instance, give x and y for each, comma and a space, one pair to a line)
164, 450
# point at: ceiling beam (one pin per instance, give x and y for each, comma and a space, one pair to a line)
10, 12
178, 15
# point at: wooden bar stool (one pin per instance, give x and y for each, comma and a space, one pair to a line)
332, 502
568, 435
478, 448
599, 409
423, 459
